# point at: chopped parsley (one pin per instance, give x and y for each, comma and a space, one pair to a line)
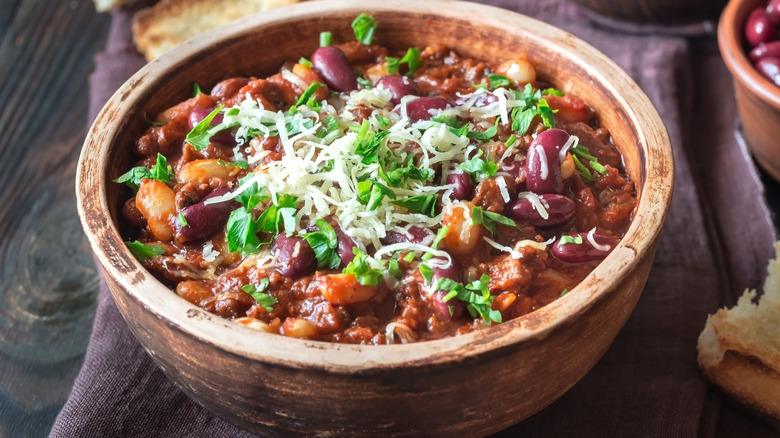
534, 105
361, 268
257, 292
566, 239
306, 98
478, 168
143, 252
326, 39
497, 81
325, 243
419, 204
488, 219
364, 27
161, 171
411, 59
476, 295
182, 220
201, 134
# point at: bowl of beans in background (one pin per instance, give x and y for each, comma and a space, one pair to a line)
749, 43
476, 382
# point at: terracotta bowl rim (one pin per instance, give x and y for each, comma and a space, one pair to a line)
121, 267
730, 43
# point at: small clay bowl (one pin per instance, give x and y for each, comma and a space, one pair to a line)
758, 98
469, 385
656, 11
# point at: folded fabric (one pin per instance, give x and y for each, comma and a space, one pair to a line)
717, 241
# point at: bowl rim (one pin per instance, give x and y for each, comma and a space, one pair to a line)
119, 264
730, 44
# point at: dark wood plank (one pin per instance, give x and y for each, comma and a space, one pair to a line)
48, 282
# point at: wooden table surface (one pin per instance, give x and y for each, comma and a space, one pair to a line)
47, 277
48, 281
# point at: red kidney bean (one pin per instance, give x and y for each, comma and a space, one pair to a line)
345, 248
454, 271
770, 68
765, 50
759, 28
420, 108
415, 235
773, 11
542, 164
204, 220
294, 256
482, 101
224, 137
228, 87
560, 210
399, 86
585, 251
452, 309
332, 66
464, 185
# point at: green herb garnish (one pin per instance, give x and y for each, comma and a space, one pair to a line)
488, 219
364, 27
325, 244
362, 269
476, 295
257, 292
143, 252
478, 168
161, 171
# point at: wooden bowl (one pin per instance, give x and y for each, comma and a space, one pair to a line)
758, 99
474, 384
656, 11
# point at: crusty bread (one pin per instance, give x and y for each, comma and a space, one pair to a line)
168, 23
739, 348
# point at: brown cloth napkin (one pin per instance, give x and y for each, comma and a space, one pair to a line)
717, 241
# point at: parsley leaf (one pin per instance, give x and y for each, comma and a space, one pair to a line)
280, 214
411, 58
257, 292
307, 95
362, 269
488, 219
242, 232
566, 239
476, 295
200, 135
484, 136
143, 252
325, 243
196, 89
478, 168
368, 142
497, 81
364, 27
419, 204
161, 171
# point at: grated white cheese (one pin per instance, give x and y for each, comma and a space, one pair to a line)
539, 204
593, 242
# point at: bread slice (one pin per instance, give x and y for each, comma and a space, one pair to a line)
739, 348
168, 23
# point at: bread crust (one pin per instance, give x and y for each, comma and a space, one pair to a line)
738, 348
168, 23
